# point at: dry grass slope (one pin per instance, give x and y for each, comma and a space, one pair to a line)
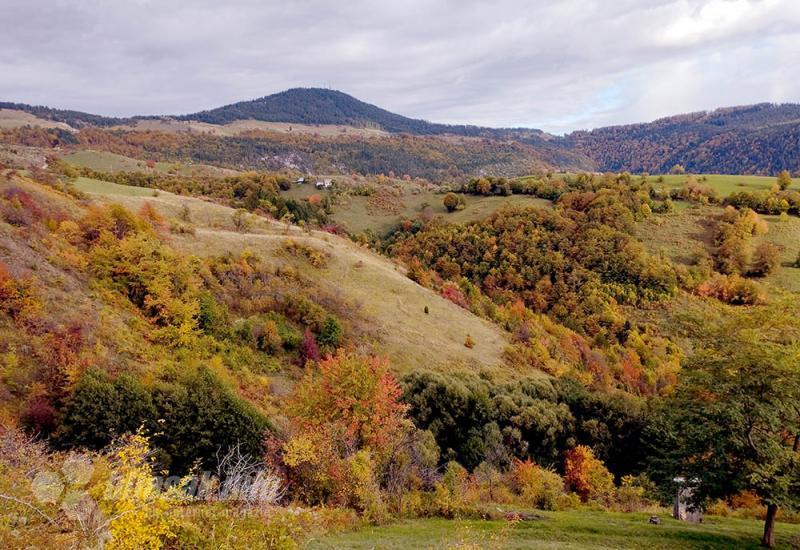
393, 304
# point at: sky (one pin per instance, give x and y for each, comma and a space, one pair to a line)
558, 65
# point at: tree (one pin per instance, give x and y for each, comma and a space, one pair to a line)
358, 395
734, 420
241, 220
452, 202
586, 475
350, 438
101, 409
677, 169
784, 179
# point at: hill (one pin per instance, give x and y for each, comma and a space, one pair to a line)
323, 106
753, 139
758, 139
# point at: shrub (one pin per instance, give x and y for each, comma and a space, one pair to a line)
269, 338
309, 351
784, 179
537, 486
587, 476
139, 510
765, 259
453, 202
732, 289
632, 493
331, 333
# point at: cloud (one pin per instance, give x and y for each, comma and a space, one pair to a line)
554, 65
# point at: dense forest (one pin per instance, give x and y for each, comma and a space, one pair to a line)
757, 139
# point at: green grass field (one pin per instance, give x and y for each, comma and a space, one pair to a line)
111, 162
562, 530
685, 234
89, 185
724, 184
355, 212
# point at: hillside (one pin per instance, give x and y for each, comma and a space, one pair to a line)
390, 303
754, 139
487, 349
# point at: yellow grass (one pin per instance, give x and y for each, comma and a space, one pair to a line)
376, 287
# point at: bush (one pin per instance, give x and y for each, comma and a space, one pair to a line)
732, 289
537, 486
784, 180
587, 476
331, 333
453, 202
632, 494
765, 259
101, 409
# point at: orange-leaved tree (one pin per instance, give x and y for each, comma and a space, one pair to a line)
357, 396
347, 429
586, 475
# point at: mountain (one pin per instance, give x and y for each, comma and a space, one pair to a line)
323, 106
752, 139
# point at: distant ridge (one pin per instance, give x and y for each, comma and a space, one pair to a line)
753, 139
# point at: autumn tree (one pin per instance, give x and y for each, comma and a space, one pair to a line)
357, 394
734, 420
453, 202
586, 475
677, 169
784, 179
348, 429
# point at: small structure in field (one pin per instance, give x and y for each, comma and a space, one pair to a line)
324, 184
682, 507
300, 181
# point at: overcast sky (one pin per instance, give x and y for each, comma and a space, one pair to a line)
553, 64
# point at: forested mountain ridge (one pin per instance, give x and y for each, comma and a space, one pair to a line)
323, 106
754, 139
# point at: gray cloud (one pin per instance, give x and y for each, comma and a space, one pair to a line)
552, 65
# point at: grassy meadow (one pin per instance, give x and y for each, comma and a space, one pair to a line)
562, 530
724, 184
374, 286
359, 213
111, 162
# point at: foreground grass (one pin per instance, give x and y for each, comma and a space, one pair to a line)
577, 529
